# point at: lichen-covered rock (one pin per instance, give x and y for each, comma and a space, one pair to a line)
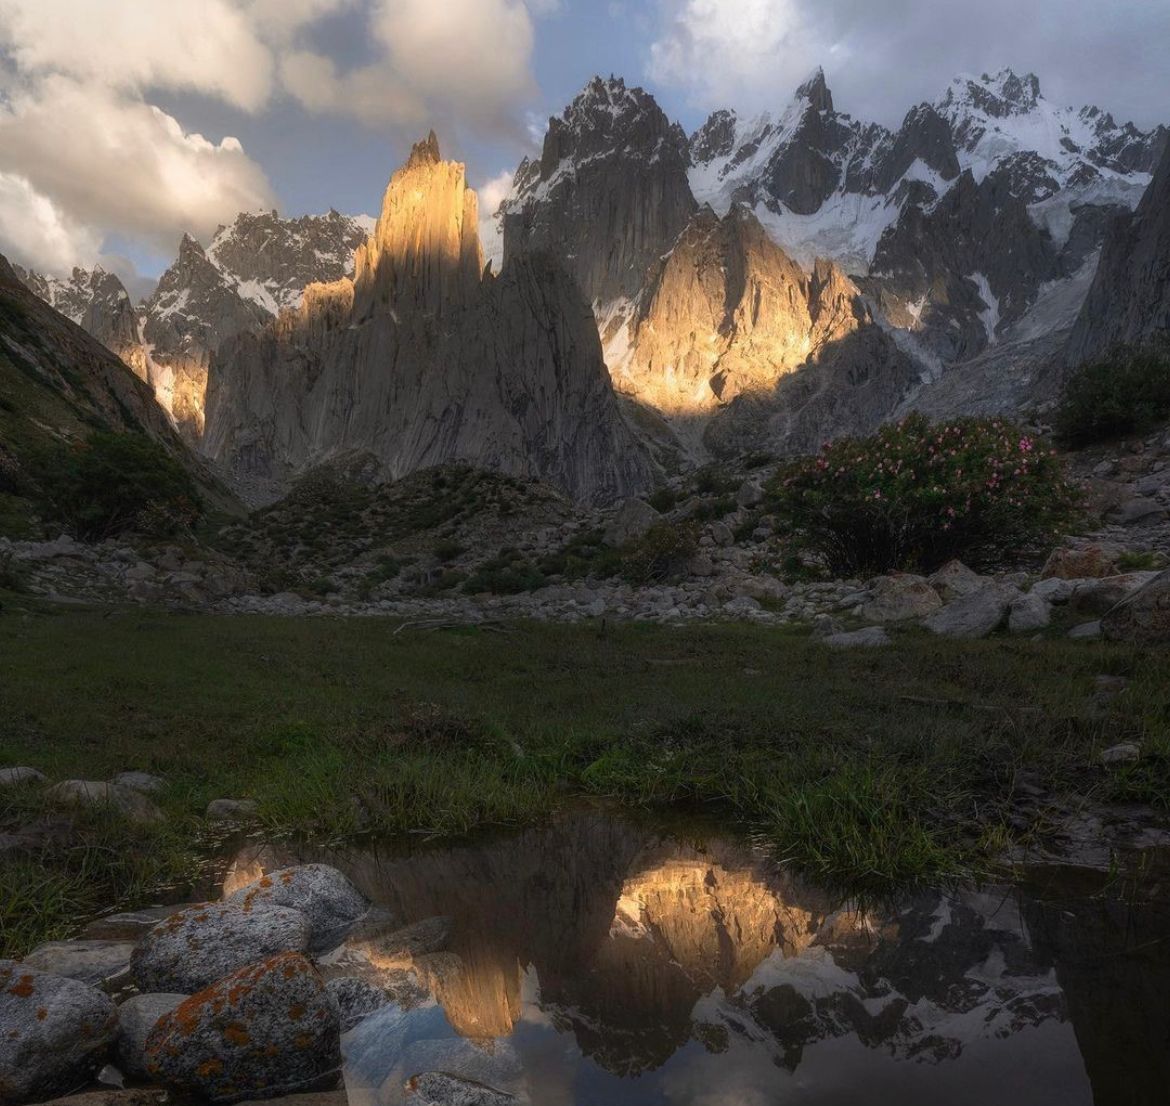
899, 598
267, 1030
1143, 617
438, 1088
194, 947
323, 894
54, 1033
356, 999
137, 1018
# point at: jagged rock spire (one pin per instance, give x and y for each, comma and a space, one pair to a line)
425, 152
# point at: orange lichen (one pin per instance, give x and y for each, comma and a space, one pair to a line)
23, 987
42, 1013
209, 1068
296, 1012
236, 1034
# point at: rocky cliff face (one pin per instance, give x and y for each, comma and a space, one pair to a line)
1129, 302
98, 302
425, 357
609, 193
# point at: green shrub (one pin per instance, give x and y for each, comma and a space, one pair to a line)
663, 500
661, 553
1126, 393
507, 574
116, 482
915, 495
448, 550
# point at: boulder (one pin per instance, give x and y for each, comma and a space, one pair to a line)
1029, 613
955, 579
323, 894
1101, 595
870, 637
1086, 631
899, 599
1144, 616
232, 810
356, 999
1125, 753
634, 517
194, 947
440, 1088
139, 781
1140, 510
750, 494
10, 777
54, 1033
1055, 589
1086, 562
92, 793
388, 945
975, 615
94, 962
137, 1018
267, 1030
742, 606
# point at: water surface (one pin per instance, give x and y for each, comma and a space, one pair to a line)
600, 962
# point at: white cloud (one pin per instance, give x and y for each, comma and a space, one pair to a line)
466, 59
881, 59
492, 193
38, 234
108, 162
211, 46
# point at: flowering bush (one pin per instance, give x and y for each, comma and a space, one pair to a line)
917, 494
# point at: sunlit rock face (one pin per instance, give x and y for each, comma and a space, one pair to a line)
426, 358
728, 312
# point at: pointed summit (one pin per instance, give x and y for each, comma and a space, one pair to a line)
816, 90
425, 152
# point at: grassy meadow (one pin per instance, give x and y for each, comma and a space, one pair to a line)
871, 769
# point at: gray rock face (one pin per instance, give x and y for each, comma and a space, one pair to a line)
1129, 302
609, 192
93, 961
53, 1033
330, 902
268, 1030
1143, 617
633, 519
194, 947
955, 579
900, 598
356, 999
137, 1017
975, 615
426, 359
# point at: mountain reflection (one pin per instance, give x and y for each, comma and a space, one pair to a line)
595, 960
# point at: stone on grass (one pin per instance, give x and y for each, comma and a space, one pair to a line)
1143, 617
94, 793
439, 1088
742, 605
54, 1033
232, 810
870, 637
323, 894
194, 947
265, 1031
139, 781
1125, 753
955, 579
10, 777
1100, 596
137, 1018
94, 962
900, 598
975, 615
1086, 631
634, 517
1028, 614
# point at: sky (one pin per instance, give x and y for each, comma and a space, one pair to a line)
126, 123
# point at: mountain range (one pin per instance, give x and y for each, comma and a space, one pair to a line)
762, 283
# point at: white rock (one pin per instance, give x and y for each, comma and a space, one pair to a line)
1125, 753
1086, 631
1029, 613
870, 637
975, 615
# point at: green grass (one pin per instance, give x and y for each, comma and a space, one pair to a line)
874, 770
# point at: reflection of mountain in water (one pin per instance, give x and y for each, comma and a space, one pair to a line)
679, 963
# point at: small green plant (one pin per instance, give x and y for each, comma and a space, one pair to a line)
1146, 561
448, 550
663, 499
116, 482
916, 495
1126, 393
